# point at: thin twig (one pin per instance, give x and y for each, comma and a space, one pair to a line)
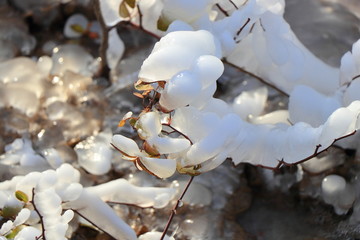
104, 69
222, 10
40, 216
177, 131
257, 77
357, 76
173, 211
127, 204
236, 7
243, 26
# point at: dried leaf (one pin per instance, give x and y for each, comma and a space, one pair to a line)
142, 86
123, 11
122, 123
131, 3
139, 95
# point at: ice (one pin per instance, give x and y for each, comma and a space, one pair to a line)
180, 90
154, 236
94, 153
52, 157
115, 49
21, 152
197, 194
49, 136
337, 192
171, 56
209, 68
75, 123
307, 105
122, 191
72, 58
197, 227
28, 233
162, 168
109, 10
21, 99
250, 103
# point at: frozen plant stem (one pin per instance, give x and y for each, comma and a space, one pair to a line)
173, 211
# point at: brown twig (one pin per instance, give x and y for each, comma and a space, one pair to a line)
173, 211
87, 219
233, 4
357, 76
40, 216
242, 28
222, 10
177, 131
